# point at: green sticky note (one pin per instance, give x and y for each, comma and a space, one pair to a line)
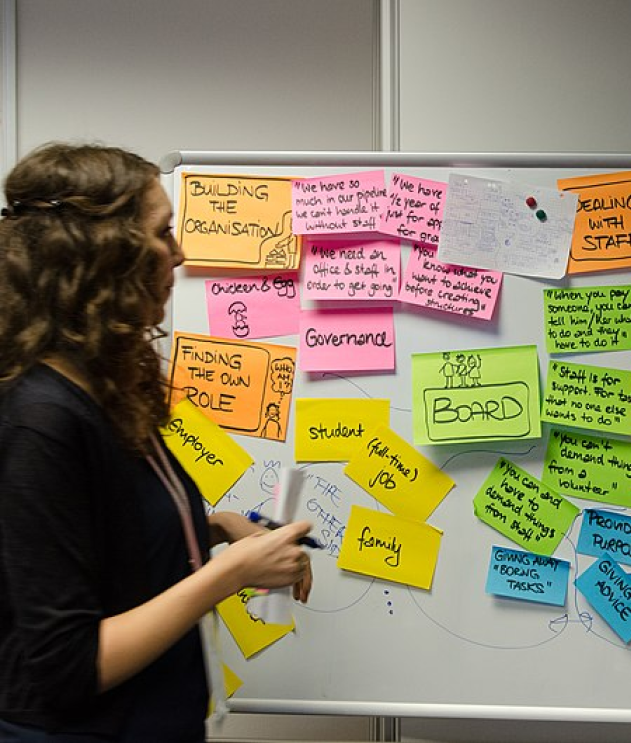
488, 394
592, 397
589, 467
523, 509
595, 318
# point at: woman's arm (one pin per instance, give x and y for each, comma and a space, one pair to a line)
71, 651
130, 641
226, 526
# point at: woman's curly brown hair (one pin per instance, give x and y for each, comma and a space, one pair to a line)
77, 278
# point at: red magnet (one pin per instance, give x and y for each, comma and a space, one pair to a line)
531, 201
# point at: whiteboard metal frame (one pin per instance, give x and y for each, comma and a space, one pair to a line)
391, 711
388, 57
343, 159
434, 711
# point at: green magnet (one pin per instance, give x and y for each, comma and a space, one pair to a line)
541, 215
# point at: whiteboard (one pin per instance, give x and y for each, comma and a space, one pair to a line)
367, 647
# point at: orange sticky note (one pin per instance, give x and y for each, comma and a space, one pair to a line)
602, 229
237, 221
244, 387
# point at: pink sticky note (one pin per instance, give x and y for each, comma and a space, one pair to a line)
347, 340
415, 209
344, 269
334, 204
253, 306
464, 291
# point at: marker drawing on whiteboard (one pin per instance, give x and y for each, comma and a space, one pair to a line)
256, 518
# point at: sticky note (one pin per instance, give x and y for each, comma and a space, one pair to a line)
594, 318
244, 387
591, 467
397, 475
592, 397
476, 395
601, 232
237, 221
250, 632
468, 292
527, 576
232, 683
333, 429
414, 209
389, 547
345, 203
523, 509
369, 270
605, 533
253, 306
347, 340
608, 589
212, 458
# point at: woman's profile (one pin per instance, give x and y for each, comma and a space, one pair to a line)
104, 540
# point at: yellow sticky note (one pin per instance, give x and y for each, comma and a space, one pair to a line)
397, 475
331, 430
250, 632
390, 547
207, 453
231, 683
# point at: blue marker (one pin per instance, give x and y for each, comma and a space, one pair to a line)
257, 518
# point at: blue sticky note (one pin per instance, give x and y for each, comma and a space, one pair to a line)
608, 589
605, 532
526, 576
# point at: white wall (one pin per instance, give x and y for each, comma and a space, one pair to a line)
7, 86
515, 75
162, 75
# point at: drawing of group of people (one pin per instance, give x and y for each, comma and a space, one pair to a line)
466, 369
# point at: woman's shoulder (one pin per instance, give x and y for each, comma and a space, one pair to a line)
43, 399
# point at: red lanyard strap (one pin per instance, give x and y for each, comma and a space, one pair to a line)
174, 486
207, 623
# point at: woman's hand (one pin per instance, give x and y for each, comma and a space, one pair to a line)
302, 587
226, 526
128, 642
271, 559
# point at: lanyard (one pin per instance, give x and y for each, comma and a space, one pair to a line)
208, 623
174, 486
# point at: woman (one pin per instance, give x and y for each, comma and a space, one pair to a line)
99, 525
